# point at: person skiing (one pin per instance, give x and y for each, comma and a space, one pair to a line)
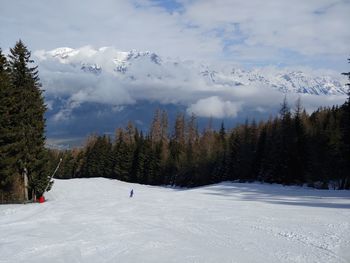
131, 193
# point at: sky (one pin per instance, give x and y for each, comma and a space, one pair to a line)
311, 35
251, 33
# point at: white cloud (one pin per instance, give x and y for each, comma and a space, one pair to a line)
172, 82
121, 23
65, 113
215, 107
308, 27
253, 32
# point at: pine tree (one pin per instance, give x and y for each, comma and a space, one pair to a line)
345, 138
138, 163
299, 154
90, 165
220, 171
285, 143
8, 172
247, 151
177, 149
156, 127
28, 119
152, 162
233, 161
260, 152
123, 155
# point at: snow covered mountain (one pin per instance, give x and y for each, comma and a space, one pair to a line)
135, 65
96, 90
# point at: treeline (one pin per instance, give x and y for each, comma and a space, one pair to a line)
22, 141
293, 148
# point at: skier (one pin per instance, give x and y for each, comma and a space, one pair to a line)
131, 193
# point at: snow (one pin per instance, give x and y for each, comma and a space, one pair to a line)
141, 64
94, 220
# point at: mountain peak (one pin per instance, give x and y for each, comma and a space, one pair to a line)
147, 65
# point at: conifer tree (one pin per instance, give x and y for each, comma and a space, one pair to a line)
123, 154
220, 172
284, 144
8, 171
28, 122
138, 163
233, 161
345, 138
156, 127
300, 157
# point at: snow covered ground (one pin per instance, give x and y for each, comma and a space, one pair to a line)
94, 220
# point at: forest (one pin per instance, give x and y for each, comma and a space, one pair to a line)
294, 148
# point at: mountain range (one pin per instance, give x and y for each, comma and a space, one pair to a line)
96, 90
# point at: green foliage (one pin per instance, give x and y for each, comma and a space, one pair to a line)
22, 123
7, 140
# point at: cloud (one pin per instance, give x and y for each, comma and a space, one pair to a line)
253, 32
123, 23
215, 107
116, 78
306, 27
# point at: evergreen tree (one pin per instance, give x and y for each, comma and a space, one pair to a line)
233, 161
8, 173
284, 144
345, 138
246, 153
299, 154
260, 152
220, 171
139, 159
123, 157
28, 119
91, 166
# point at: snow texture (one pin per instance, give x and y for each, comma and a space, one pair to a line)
94, 220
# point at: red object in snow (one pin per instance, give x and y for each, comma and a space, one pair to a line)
41, 199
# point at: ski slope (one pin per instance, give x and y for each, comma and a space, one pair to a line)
94, 220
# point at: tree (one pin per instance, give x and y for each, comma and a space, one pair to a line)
345, 137
299, 154
98, 157
220, 171
8, 173
28, 123
156, 127
123, 154
284, 144
138, 163
233, 161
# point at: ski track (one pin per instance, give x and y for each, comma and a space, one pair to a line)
94, 220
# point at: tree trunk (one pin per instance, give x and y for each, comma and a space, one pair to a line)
25, 179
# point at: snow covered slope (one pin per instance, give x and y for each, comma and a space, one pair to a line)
94, 220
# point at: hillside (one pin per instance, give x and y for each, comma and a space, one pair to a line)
94, 220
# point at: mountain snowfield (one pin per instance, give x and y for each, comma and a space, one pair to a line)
134, 65
94, 220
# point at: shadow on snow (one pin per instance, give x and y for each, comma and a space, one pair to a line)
278, 194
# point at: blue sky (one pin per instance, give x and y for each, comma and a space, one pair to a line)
169, 5
250, 33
